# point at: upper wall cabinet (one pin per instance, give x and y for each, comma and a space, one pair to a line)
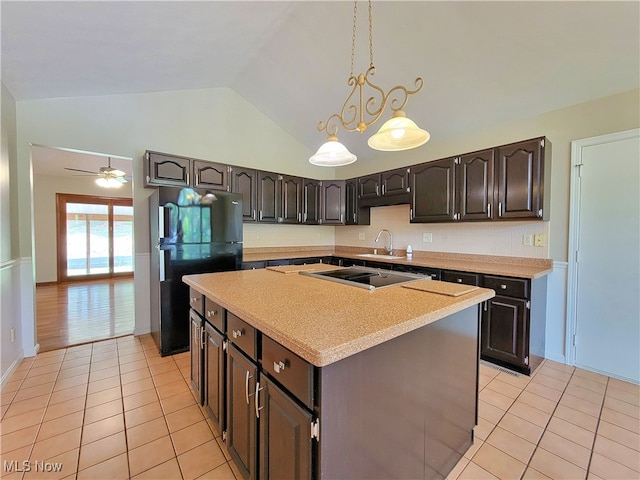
521, 171
369, 186
269, 200
332, 195
291, 208
432, 191
245, 182
474, 185
168, 170
213, 176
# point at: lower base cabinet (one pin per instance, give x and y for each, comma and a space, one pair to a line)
214, 376
285, 439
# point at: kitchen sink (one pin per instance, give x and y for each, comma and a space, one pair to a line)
377, 255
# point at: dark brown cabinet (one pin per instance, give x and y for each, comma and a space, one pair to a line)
513, 322
214, 376
475, 185
291, 203
432, 191
394, 182
311, 202
285, 443
213, 176
241, 437
520, 176
161, 169
332, 197
245, 182
369, 186
269, 191
195, 347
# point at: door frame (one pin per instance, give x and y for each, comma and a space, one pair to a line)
577, 147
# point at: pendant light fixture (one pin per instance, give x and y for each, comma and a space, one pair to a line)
398, 133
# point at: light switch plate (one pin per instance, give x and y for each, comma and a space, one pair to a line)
527, 240
427, 237
539, 240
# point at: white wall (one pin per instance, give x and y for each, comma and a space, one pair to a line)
11, 352
45, 188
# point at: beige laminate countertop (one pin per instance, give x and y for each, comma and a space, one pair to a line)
323, 321
518, 267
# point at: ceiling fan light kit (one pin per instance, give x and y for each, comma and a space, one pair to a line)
397, 134
108, 177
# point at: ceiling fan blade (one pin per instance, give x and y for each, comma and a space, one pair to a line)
83, 171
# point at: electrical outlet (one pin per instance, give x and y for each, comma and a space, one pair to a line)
527, 240
427, 237
539, 240
360, 235
13, 335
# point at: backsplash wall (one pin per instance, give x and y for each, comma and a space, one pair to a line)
485, 238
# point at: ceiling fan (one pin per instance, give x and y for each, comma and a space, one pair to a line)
108, 177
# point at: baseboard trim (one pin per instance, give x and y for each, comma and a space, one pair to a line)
14, 365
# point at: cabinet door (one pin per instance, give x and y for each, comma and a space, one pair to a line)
369, 186
332, 195
291, 199
213, 176
351, 202
474, 190
170, 170
244, 181
285, 442
432, 191
519, 180
241, 417
214, 385
195, 347
311, 202
395, 182
505, 334
268, 197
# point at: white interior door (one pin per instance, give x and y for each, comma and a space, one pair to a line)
606, 267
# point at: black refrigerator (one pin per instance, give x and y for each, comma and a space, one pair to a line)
192, 231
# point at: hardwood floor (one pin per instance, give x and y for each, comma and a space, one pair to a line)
71, 314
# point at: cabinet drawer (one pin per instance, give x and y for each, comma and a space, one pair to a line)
252, 265
243, 335
294, 373
215, 314
196, 300
511, 287
461, 277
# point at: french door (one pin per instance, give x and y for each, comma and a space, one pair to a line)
95, 237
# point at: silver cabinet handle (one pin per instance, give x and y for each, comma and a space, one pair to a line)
383, 190
489, 210
237, 333
279, 366
211, 313
202, 337
503, 286
246, 385
257, 400
500, 209
260, 213
459, 280
254, 213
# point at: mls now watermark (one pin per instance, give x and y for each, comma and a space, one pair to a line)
31, 466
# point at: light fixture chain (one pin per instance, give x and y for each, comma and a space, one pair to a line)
370, 35
353, 34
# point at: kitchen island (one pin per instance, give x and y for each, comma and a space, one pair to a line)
386, 378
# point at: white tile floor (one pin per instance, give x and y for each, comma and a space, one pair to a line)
117, 410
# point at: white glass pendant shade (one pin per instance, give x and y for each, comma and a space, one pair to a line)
332, 154
108, 182
398, 133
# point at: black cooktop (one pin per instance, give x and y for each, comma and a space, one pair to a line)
364, 277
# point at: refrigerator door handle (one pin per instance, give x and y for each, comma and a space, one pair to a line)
162, 260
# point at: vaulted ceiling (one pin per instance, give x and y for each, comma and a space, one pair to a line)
482, 62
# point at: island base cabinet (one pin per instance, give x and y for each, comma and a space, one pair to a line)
241, 417
405, 408
195, 347
504, 331
285, 441
214, 374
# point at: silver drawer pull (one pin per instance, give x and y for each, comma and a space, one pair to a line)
279, 366
503, 286
459, 280
237, 333
193, 300
211, 313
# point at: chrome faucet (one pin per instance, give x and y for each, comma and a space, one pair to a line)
389, 249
